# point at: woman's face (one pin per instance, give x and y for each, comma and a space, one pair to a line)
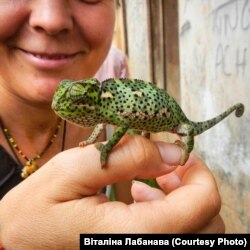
45, 41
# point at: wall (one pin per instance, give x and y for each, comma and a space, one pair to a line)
208, 72
215, 73
152, 56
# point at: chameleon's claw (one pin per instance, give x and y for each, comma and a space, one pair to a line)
104, 154
185, 155
83, 144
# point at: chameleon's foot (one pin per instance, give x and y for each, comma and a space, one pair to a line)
83, 144
185, 154
145, 134
104, 153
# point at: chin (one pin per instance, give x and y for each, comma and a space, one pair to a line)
44, 89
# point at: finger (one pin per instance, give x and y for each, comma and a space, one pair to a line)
215, 226
173, 180
143, 192
169, 182
184, 210
133, 157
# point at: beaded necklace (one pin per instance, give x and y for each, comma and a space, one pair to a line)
31, 165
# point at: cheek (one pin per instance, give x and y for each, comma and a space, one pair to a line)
103, 30
12, 16
97, 31
97, 26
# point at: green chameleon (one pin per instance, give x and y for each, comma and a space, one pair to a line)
128, 104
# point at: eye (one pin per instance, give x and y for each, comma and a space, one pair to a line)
77, 93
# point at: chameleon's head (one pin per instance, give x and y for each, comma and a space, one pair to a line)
77, 101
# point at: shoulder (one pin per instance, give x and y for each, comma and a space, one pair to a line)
114, 66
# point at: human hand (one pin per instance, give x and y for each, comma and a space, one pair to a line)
53, 206
183, 186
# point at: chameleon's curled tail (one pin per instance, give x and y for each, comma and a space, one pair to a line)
200, 127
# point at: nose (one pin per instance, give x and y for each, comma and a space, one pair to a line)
52, 17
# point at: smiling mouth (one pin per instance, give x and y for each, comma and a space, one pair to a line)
45, 56
49, 61
51, 57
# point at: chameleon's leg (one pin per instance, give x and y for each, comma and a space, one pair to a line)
187, 142
106, 148
94, 135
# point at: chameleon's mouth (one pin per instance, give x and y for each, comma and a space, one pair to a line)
58, 104
53, 105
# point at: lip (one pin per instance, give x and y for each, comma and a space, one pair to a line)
48, 61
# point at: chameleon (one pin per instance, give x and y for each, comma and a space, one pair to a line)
129, 104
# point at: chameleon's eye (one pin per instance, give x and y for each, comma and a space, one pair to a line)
77, 93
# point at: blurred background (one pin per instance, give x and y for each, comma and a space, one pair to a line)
199, 51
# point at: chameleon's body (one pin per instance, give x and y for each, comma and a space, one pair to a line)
128, 104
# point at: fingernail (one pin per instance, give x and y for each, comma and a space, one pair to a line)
170, 153
139, 183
